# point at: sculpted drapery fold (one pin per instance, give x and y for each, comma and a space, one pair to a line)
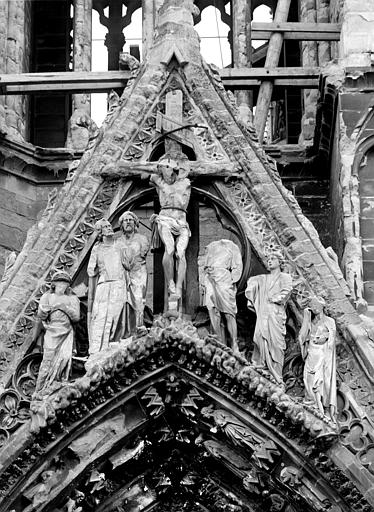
107, 291
267, 296
57, 312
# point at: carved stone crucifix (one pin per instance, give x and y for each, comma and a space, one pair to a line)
174, 191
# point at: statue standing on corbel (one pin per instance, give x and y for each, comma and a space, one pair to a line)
317, 339
107, 290
267, 295
170, 225
223, 268
58, 311
134, 249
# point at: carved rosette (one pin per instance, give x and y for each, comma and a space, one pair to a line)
13, 411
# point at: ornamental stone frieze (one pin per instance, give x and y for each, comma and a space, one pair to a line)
279, 423
161, 392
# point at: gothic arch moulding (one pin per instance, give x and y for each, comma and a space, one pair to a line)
180, 415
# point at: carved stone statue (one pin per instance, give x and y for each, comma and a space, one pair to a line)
267, 295
263, 449
107, 290
239, 434
174, 191
40, 493
58, 310
317, 340
223, 267
134, 249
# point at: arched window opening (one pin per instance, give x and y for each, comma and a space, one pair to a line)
264, 14
133, 33
102, 59
213, 32
99, 63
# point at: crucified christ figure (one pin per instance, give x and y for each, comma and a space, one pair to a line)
174, 191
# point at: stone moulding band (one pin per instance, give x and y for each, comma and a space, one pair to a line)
176, 342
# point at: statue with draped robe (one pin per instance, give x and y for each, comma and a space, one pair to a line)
107, 290
134, 249
223, 268
317, 339
267, 295
57, 312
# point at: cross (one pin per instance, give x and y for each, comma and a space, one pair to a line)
173, 120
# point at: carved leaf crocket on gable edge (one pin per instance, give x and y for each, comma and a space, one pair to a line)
250, 396
298, 238
276, 208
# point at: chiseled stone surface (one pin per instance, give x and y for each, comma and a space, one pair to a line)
357, 34
3, 46
260, 185
298, 238
17, 61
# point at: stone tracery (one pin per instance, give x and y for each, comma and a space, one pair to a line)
265, 229
153, 350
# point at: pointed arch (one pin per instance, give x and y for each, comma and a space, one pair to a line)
198, 390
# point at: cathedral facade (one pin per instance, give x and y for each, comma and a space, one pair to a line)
186, 303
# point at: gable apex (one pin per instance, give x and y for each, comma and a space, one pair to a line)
174, 52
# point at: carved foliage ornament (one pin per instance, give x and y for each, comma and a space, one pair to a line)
264, 239
17, 398
178, 341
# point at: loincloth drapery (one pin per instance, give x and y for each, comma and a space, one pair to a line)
177, 228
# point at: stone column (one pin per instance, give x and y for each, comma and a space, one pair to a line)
114, 40
309, 58
16, 59
3, 45
78, 133
82, 31
323, 11
148, 26
242, 51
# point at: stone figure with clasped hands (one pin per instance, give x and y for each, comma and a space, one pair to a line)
174, 191
317, 340
267, 295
